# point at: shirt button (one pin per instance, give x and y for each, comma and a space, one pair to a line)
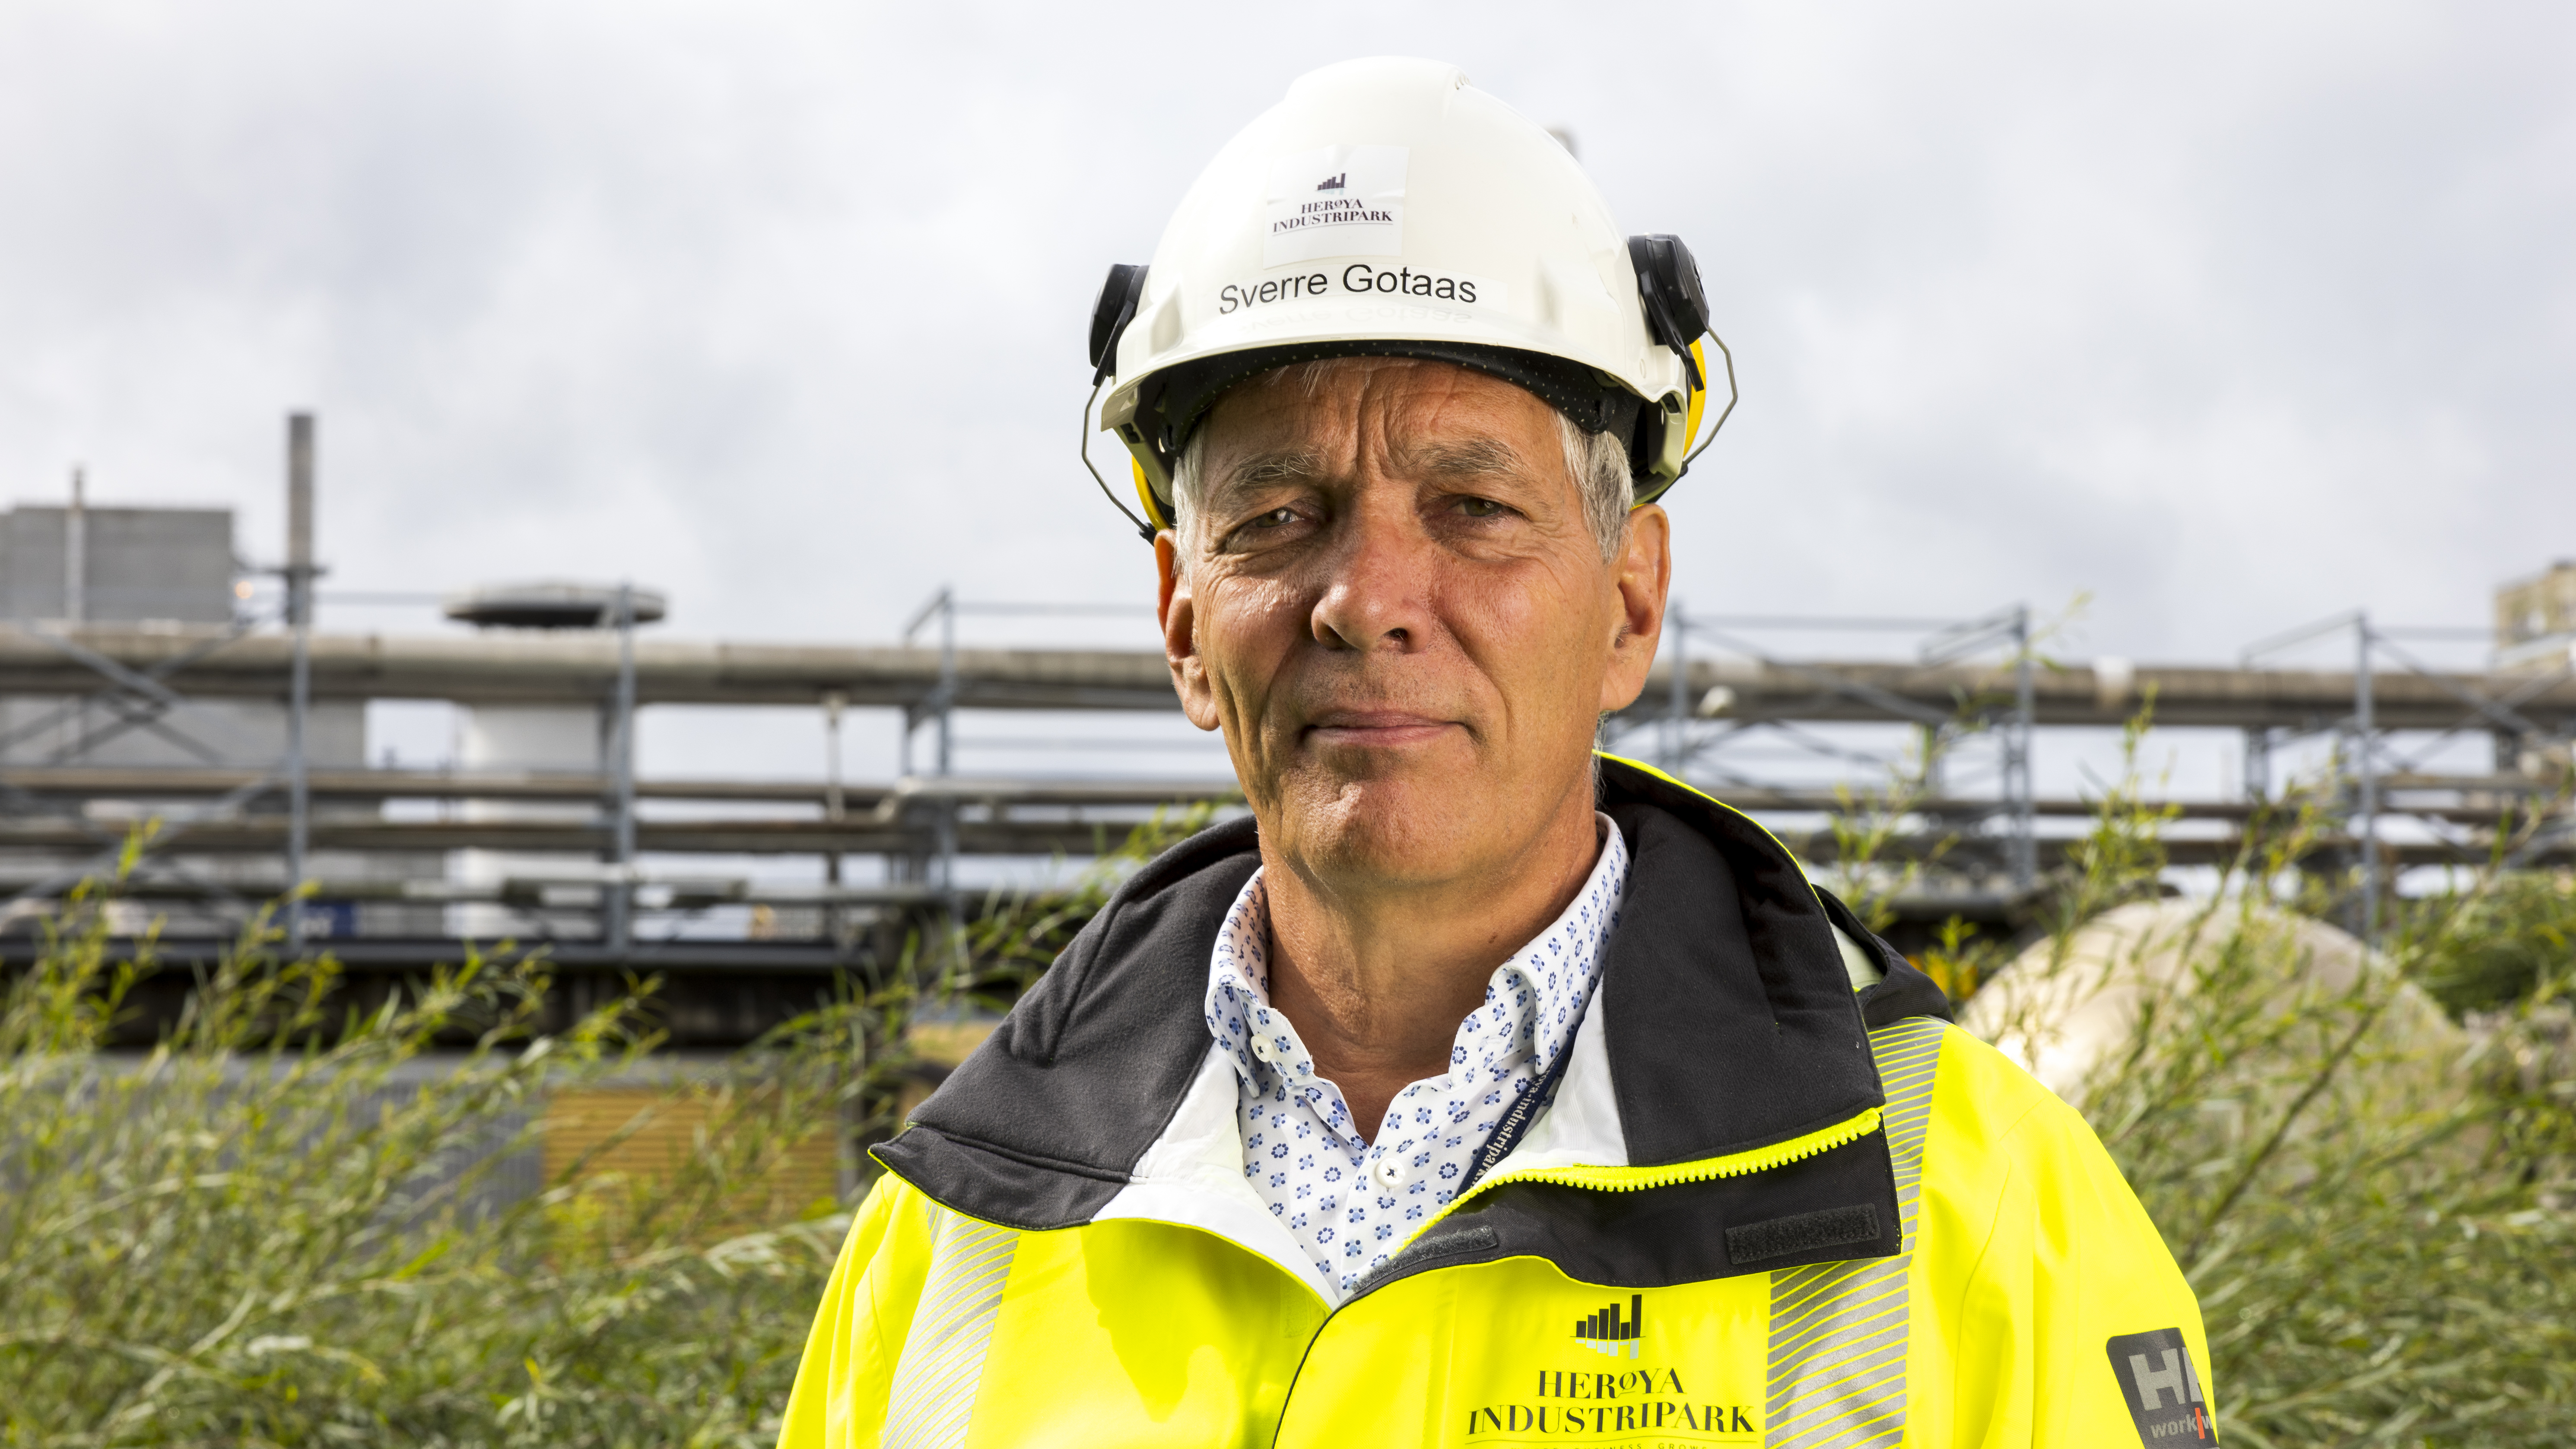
1262, 1048
1388, 1171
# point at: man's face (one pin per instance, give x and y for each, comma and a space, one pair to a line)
1392, 604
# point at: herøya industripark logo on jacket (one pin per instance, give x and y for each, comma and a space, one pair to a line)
1594, 1403
1604, 1333
1591, 1403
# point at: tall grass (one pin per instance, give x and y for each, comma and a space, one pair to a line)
270, 1228
2369, 1201
282, 1224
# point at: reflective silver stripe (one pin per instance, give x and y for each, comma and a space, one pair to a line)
1838, 1330
933, 1398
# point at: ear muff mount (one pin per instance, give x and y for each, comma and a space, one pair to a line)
1110, 315
1676, 306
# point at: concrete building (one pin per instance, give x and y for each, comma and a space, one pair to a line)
69, 565
66, 570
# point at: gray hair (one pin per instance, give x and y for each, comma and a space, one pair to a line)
1598, 463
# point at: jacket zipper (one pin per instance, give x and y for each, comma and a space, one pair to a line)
1637, 1179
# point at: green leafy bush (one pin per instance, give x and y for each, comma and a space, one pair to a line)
273, 1228
2369, 1199
285, 1223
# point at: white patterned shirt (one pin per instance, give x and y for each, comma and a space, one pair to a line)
1350, 1203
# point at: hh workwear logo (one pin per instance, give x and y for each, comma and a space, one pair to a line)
1602, 1332
1336, 201
2163, 1389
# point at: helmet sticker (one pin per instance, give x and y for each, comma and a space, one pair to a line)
1337, 201
1361, 279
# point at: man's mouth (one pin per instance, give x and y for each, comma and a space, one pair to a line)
1375, 728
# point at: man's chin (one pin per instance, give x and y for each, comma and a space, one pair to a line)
1393, 824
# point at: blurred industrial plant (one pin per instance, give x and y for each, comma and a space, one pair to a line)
156, 686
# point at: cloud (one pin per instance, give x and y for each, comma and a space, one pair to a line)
2233, 316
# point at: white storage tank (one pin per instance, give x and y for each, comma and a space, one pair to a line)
554, 892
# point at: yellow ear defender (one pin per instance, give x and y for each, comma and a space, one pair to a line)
1145, 496
1698, 398
1677, 316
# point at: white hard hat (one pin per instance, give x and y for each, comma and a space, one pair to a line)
1386, 208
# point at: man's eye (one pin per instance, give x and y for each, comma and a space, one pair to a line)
1480, 507
1244, 534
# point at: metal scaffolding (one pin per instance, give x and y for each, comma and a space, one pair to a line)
1971, 694
2366, 761
124, 698
1701, 718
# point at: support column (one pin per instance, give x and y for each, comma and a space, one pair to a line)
2366, 760
2018, 784
835, 810
299, 618
947, 807
618, 902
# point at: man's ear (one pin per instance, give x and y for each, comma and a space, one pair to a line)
1644, 575
1177, 612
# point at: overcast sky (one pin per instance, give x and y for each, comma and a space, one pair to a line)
2229, 315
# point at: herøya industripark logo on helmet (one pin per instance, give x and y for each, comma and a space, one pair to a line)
1335, 201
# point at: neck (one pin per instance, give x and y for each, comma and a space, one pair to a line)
1377, 979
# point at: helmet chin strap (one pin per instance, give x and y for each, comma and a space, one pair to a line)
1722, 416
1144, 530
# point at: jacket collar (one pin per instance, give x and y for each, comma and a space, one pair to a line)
1724, 1025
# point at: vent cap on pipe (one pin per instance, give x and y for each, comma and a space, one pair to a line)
550, 604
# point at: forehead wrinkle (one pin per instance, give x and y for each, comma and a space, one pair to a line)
1459, 458
1275, 465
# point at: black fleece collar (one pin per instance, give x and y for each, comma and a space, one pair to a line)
1729, 1019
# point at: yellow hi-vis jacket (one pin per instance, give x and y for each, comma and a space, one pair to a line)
1753, 1208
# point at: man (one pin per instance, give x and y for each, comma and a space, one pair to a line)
1476, 1090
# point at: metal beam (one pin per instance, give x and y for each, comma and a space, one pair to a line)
582, 668
140, 782
267, 836
137, 790
2185, 695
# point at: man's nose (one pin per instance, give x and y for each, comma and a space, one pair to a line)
1377, 588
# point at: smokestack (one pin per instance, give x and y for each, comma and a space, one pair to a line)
76, 551
299, 516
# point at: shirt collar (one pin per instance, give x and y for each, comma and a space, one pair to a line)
1533, 1002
